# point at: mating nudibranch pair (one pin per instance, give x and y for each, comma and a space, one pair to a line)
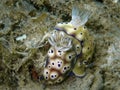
71, 49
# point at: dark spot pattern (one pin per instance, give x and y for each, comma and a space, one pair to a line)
52, 76
70, 57
60, 62
46, 72
88, 48
59, 65
82, 43
59, 51
49, 66
75, 28
65, 68
51, 51
52, 63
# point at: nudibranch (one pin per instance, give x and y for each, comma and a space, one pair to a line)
71, 49
76, 29
61, 58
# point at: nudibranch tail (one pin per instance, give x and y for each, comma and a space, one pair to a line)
79, 16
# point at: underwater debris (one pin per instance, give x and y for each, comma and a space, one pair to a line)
21, 38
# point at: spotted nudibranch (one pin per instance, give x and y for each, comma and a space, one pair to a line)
71, 50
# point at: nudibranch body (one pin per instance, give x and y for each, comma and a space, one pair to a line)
71, 50
75, 29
